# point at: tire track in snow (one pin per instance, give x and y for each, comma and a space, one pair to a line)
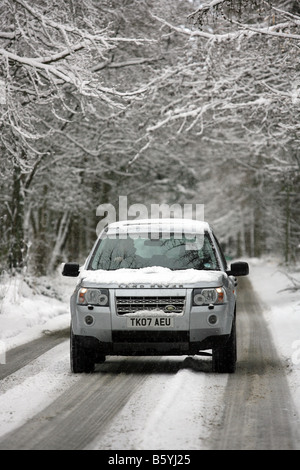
259, 410
33, 387
22, 355
78, 415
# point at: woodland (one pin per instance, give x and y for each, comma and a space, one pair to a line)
173, 102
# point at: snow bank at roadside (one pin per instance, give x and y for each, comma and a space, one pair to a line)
29, 306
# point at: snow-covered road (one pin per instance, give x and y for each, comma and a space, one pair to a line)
129, 403
152, 403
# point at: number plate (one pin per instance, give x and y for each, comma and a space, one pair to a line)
150, 322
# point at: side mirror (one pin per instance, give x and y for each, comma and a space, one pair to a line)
71, 270
240, 268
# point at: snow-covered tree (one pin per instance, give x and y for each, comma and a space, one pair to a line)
51, 55
181, 101
239, 99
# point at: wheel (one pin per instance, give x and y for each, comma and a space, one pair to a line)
224, 359
82, 359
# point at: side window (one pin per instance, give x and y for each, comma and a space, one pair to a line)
208, 253
220, 251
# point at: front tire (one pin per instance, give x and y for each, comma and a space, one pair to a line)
224, 359
82, 359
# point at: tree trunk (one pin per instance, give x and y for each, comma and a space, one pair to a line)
60, 241
18, 248
287, 226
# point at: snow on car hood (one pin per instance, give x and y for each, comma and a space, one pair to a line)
154, 276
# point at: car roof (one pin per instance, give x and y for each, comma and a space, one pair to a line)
160, 225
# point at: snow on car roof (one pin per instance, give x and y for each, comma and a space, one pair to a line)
186, 225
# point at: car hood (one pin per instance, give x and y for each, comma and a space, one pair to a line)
152, 277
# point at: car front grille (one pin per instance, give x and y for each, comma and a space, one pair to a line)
135, 304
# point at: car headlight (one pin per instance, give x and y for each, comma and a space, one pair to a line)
213, 296
97, 297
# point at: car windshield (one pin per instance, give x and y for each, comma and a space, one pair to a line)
134, 251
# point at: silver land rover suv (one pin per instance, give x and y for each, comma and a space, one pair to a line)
154, 287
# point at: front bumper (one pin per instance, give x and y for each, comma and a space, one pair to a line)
191, 331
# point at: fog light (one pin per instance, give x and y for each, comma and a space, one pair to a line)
89, 320
212, 319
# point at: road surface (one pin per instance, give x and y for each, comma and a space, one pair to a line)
253, 408
259, 412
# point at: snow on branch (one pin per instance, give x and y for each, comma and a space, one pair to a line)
33, 62
215, 4
198, 33
275, 30
61, 55
206, 7
197, 112
85, 88
282, 12
246, 31
45, 21
95, 36
137, 155
7, 35
127, 63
